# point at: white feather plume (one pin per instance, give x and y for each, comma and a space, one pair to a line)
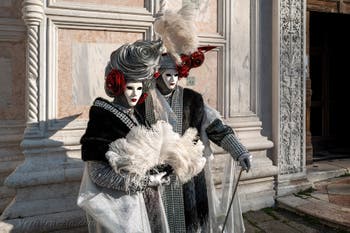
185, 156
178, 31
143, 149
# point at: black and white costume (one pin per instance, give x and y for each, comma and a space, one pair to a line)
107, 123
187, 206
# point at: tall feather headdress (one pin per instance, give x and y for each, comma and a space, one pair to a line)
177, 30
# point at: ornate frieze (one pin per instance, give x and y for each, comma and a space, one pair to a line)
291, 86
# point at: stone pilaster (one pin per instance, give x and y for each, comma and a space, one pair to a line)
289, 94
256, 187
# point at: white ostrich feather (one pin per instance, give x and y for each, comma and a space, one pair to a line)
140, 147
185, 156
143, 149
178, 31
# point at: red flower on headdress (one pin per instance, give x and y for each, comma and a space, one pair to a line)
156, 75
185, 60
184, 68
115, 83
194, 60
142, 98
183, 71
197, 59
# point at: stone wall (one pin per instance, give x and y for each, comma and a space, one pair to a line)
12, 93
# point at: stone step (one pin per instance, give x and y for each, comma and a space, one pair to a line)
328, 213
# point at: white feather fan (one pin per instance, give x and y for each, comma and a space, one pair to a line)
185, 156
143, 149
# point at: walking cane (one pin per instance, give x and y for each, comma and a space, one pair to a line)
233, 195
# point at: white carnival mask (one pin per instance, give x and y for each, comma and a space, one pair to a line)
170, 78
133, 92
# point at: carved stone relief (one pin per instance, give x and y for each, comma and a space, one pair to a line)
291, 147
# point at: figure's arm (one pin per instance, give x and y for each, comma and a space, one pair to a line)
102, 174
223, 136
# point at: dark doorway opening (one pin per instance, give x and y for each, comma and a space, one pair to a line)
330, 85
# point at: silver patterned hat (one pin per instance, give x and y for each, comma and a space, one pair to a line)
137, 61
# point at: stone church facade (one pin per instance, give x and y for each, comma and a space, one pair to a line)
52, 56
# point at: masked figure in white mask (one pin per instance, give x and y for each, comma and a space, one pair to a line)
114, 201
190, 207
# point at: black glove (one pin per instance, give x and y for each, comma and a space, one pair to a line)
245, 161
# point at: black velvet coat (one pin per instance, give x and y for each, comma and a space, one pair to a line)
103, 128
194, 191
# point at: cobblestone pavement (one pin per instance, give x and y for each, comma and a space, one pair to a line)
277, 220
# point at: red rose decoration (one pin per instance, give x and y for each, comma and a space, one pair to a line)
156, 75
197, 59
183, 71
115, 83
142, 98
185, 66
194, 60
185, 60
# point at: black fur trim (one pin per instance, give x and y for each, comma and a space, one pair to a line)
103, 128
193, 110
195, 191
196, 203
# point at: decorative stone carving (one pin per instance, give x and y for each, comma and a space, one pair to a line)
291, 84
33, 14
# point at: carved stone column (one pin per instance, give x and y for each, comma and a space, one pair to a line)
47, 183
289, 94
32, 15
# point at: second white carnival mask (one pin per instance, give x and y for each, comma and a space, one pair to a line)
170, 78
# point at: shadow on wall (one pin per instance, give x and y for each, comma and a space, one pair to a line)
47, 182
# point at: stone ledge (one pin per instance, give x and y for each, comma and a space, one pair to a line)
324, 170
